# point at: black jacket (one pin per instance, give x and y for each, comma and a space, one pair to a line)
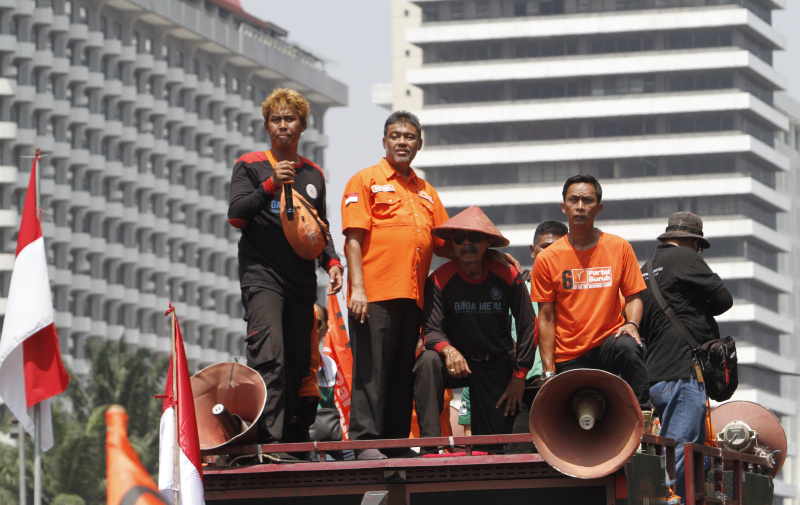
266, 259
696, 295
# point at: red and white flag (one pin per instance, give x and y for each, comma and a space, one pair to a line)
31, 370
189, 481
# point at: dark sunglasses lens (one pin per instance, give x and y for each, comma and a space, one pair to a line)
476, 237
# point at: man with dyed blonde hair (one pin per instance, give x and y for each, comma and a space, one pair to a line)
278, 286
282, 98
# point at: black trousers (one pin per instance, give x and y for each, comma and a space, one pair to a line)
621, 356
383, 356
278, 348
487, 383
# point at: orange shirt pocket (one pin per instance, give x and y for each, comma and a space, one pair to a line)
386, 209
426, 213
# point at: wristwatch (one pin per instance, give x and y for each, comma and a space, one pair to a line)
548, 375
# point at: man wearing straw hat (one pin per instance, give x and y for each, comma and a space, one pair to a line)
467, 336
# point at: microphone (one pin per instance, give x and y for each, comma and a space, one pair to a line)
287, 192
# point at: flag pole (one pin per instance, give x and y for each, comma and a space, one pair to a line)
175, 407
21, 439
37, 409
37, 454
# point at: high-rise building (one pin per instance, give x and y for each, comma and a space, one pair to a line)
140, 109
670, 103
788, 143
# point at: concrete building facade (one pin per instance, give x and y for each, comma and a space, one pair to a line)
140, 109
672, 104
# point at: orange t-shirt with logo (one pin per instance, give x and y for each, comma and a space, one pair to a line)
397, 216
588, 288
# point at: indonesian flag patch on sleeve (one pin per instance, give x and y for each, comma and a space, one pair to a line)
350, 198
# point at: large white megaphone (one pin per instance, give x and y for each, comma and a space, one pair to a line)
586, 423
228, 400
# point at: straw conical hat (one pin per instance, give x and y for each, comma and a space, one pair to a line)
472, 219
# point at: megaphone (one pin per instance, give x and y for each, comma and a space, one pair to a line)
586, 423
750, 428
228, 400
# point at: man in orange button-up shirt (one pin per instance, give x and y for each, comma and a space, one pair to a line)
387, 216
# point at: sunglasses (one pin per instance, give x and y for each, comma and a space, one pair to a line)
474, 237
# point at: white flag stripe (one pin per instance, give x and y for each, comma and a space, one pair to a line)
29, 309
190, 483
30, 303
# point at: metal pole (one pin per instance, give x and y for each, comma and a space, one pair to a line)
37, 179
37, 454
175, 409
23, 499
37, 409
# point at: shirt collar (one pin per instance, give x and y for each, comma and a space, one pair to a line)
390, 172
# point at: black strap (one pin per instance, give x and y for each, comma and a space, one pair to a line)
667, 309
133, 494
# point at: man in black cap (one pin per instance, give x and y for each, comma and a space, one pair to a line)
696, 295
467, 335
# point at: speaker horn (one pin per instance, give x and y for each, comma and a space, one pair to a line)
586, 423
750, 428
228, 400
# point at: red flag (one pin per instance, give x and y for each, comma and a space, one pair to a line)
31, 370
337, 347
189, 481
128, 481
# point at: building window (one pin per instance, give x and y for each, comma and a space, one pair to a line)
551, 7
430, 13
482, 9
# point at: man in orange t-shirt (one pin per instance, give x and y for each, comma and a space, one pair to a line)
387, 216
577, 281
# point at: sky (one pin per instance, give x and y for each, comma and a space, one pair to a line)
354, 37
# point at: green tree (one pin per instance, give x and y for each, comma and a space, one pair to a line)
74, 471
